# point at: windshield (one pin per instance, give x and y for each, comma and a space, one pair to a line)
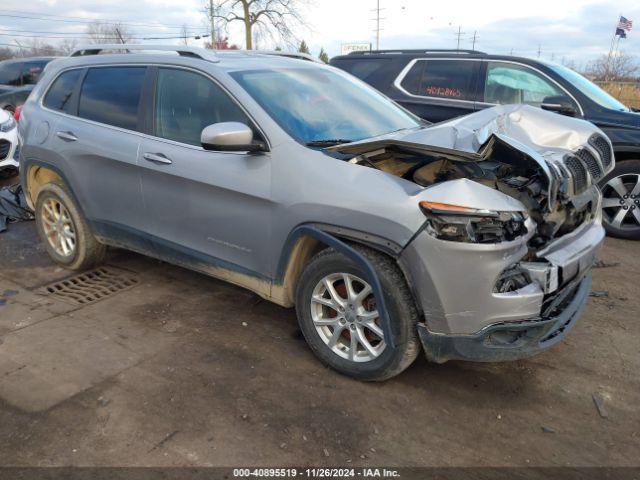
316, 105
589, 88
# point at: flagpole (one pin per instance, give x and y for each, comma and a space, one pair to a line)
613, 41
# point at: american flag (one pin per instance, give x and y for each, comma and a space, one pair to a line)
625, 24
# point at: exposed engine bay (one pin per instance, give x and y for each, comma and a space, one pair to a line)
547, 162
522, 180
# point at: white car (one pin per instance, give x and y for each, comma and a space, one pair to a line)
8, 143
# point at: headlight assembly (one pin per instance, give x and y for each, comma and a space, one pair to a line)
471, 225
8, 125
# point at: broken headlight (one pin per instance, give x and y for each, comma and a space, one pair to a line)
471, 225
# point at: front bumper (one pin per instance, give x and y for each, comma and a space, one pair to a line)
512, 340
454, 285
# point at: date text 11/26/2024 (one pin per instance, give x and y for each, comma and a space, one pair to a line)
312, 473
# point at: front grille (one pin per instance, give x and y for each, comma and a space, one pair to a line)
5, 146
578, 173
590, 161
602, 147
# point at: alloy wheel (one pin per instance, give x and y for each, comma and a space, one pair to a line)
58, 227
344, 313
621, 202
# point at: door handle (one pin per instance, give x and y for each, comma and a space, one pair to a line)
157, 158
67, 136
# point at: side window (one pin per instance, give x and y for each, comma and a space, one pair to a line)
59, 95
442, 79
181, 117
11, 74
111, 95
510, 83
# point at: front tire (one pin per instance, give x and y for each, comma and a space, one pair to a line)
621, 200
337, 313
64, 231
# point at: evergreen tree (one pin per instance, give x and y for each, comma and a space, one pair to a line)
323, 56
303, 47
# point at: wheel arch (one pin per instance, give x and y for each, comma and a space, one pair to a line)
305, 241
35, 176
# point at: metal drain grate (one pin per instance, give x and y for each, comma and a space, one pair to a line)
89, 287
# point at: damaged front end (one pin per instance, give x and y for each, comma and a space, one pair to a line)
501, 267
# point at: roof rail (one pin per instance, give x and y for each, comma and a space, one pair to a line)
181, 50
430, 50
298, 55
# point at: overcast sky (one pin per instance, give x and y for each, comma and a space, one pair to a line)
570, 29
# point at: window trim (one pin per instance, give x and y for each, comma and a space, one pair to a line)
145, 134
397, 82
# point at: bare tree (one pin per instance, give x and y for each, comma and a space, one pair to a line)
100, 32
273, 18
619, 66
222, 43
6, 53
67, 46
38, 48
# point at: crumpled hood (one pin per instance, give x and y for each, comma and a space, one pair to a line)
534, 131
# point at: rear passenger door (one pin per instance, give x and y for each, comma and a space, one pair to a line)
97, 138
205, 208
439, 89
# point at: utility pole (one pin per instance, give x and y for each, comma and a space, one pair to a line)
212, 15
120, 36
377, 10
475, 37
459, 35
539, 50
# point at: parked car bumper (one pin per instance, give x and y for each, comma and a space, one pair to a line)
9, 157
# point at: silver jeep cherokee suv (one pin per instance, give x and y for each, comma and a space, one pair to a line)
472, 238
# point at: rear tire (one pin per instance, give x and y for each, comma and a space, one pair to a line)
64, 231
623, 180
330, 332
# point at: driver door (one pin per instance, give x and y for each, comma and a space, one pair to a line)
509, 83
204, 208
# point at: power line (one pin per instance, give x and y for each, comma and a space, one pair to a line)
85, 20
116, 36
3, 29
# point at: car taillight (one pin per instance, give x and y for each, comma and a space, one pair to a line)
16, 114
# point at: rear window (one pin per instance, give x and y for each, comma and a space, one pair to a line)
111, 95
31, 71
11, 74
441, 78
363, 68
59, 95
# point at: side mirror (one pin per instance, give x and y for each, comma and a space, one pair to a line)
559, 104
230, 137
